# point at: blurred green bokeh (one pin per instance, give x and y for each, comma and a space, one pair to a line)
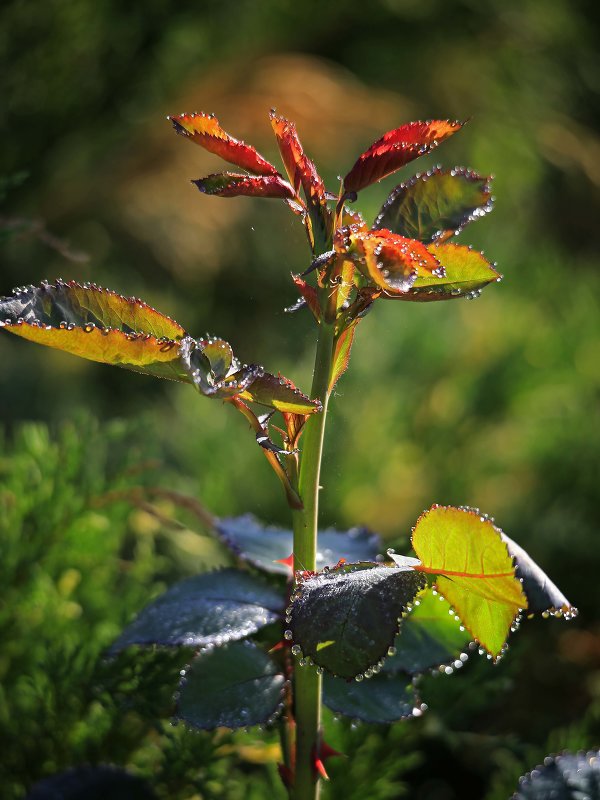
492, 403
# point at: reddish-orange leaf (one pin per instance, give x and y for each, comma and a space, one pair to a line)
309, 293
204, 129
395, 149
392, 262
229, 184
300, 169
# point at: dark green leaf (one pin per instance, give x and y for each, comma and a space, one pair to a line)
565, 777
264, 546
345, 619
541, 593
92, 783
234, 686
429, 637
212, 608
380, 699
436, 205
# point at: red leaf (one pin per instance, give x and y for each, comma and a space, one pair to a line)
309, 293
230, 184
392, 262
300, 169
395, 149
204, 129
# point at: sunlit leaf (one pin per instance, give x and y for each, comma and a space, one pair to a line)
475, 571
341, 354
429, 637
280, 393
208, 609
234, 686
391, 262
466, 273
381, 699
204, 129
199, 370
436, 205
264, 547
395, 149
568, 776
542, 594
301, 171
229, 184
346, 619
96, 324
309, 294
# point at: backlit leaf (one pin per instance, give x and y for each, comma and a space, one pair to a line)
208, 609
199, 371
264, 547
475, 571
569, 776
381, 699
395, 149
301, 171
346, 619
436, 205
341, 354
466, 273
542, 594
229, 184
204, 129
234, 686
392, 262
429, 637
280, 393
96, 324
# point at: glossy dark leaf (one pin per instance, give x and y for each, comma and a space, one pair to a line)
345, 620
229, 184
234, 686
465, 272
204, 130
429, 637
381, 699
475, 572
436, 205
264, 547
541, 593
395, 149
569, 776
96, 324
211, 608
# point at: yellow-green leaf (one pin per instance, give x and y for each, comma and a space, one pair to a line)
475, 571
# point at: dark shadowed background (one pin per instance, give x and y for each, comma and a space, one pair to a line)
492, 403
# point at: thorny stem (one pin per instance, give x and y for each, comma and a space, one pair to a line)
307, 683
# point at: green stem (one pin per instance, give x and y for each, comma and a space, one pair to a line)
307, 683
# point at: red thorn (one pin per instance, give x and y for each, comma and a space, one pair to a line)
319, 768
286, 775
279, 646
328, 752
287, 562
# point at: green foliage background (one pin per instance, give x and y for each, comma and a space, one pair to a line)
492, 403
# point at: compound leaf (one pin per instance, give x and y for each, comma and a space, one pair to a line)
436, 205
264, 547
96, 324
345, 619
569, 776
380, 700
395, 149
429, 637
229, 184
234, 686
208, 609
475, 571
465, 272
204, 130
